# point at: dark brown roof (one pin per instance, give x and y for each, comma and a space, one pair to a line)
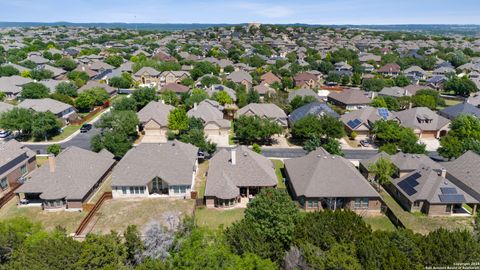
175, 87
388, 68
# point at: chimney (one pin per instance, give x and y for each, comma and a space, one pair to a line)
443, 173
51, 162
233, 156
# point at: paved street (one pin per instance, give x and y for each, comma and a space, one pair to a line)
81, 140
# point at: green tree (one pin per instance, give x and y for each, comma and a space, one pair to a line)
133, 244
401, 81
252, 129
124, 104
143, 96
116, 142
6, 71
170, 98
85, 102
34, 90
17, 119
461, 86
45, 125
311, 126
299, 101
125, 122
373, 84
271, 217
102, 252
41, 74
383, 170
253, 96
54, 149
389, 133
464, 135
196, 96
222, 97
66, 63
66, 88
114, 60
178, 120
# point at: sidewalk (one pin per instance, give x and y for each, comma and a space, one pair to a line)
72, 135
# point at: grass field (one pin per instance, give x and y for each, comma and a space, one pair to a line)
380, 223
41, 160
424, 224
201, 179
67, 131
49, 220
279, 166
117, 214
214, 218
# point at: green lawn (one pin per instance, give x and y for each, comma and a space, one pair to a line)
201, 179
424, 224
213, 218
67, 131
279, 166
41, 160
380, 223
49, 220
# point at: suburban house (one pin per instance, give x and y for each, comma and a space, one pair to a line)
60, 109
424, 122
306, 80
428, 191
264, 90
168, 77
392, 70
269, 78
404, 163
349, 99
167, 169
343, 69
265, 110
395, 92
415, 73
177, 88
304, 92
154, 121
241, 77
474, 100
454, 111
236, 175
12, 86
320, 180
16, 161
96, 84
361, 121
218, 87
68, 180
147, 76
464, 172
216, 128
314, 108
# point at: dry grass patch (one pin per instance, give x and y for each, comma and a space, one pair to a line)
49, 219
117, 214
201, 179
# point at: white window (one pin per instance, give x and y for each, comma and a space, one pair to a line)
23, 169
183, 189
361, 203
124, 190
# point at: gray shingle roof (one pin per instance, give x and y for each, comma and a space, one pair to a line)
5, 107
350, 97
405, 162
76, 172
461, 108
315, 108
466, 169
251, 169
44, 105
208, 113
173, 162
12, 149
157, 111
320, 174
409, 118
304, 92
425, 184
264, 110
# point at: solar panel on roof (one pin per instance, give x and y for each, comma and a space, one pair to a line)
452, 198
448, 190
383, 112
354, 123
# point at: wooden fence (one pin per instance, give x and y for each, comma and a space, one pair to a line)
87, 117
91, 213
9, 195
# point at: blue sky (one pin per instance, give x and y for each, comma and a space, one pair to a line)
236, 11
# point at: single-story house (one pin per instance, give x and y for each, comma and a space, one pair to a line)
454, 111
350, 99
391, 70
361, 121
177, 88
12, 86
304, 92
96, 84
424, 122
465, 173
60, 109
154, 121
236, 175
265, 110
167, 169
241, 77
67, 180
16, 161
428, 191
216, 128
320, 180
314, 108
